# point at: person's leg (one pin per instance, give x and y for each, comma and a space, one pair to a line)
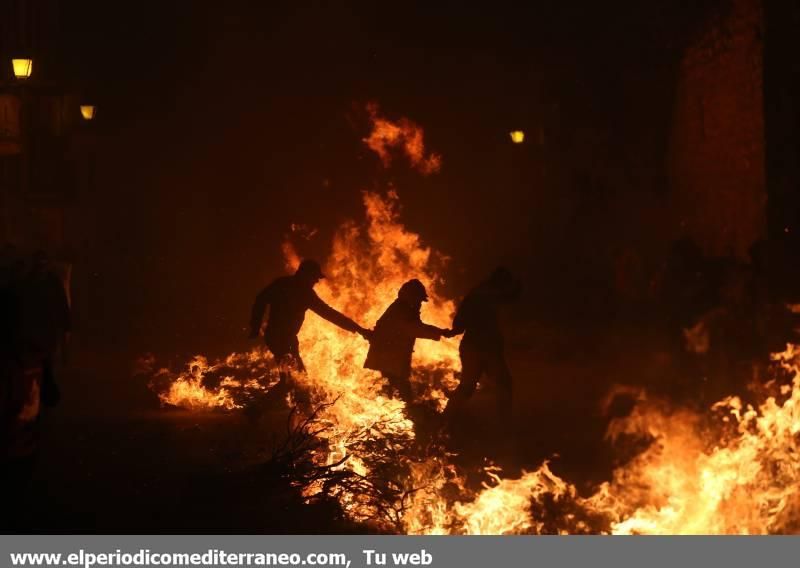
288, 361
497, 369
471, 370
403, 387
279, 391
50, 394
296, 360
295, 371
290, 365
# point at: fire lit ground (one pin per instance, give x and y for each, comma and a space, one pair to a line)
222, 157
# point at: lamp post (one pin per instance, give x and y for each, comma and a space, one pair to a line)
517, 136
23, 67
87, 111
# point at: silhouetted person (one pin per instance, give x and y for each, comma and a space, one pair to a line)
392, 341
29, 314
482, 348
685, 288
689, 299
15, 390
288, 298
11, 271
45, 321
732, 335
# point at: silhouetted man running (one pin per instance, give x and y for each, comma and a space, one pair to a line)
482, 348
288, 298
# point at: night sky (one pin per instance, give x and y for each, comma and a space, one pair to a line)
220, 124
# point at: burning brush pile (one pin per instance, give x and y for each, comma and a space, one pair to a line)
735, 469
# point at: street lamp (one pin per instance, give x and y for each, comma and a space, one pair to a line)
87, 112
22, 67
517, 136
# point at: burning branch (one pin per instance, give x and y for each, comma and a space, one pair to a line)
293, 457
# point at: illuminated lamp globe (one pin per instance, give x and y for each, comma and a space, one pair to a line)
22, 68
87, 112
517, 136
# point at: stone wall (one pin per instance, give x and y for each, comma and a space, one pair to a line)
716, 161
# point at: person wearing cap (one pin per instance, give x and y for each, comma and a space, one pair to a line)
396, 331
288, 299
482, 348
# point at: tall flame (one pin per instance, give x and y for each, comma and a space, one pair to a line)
365, 270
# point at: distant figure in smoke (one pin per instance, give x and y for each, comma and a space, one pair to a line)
12, 270
396, 331
482, 349
46, 321
19, 395
34, 316
288, 298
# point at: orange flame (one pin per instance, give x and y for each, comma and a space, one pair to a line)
403, 134
737, 475
225, 383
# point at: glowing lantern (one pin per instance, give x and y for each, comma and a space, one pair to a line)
87, 111
22, 68
517, 136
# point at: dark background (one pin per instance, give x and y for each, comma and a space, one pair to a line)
221, 124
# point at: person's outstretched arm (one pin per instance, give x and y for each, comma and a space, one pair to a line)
337, 318
415, 327
428, 331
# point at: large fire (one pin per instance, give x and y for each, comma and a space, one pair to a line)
733, 470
